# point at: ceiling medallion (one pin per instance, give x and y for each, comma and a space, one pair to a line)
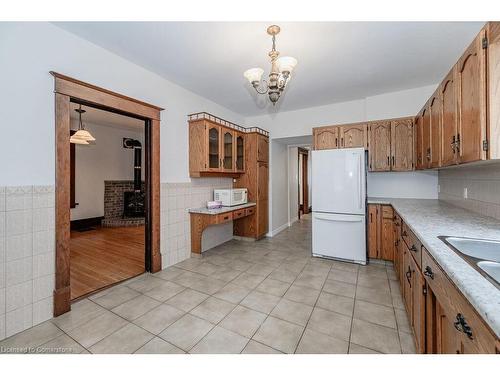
281, 69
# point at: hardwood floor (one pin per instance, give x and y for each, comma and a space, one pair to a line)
105, 256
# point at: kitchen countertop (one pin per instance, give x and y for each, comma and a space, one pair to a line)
430, 218
206, 211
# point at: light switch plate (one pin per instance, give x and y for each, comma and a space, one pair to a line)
465, 193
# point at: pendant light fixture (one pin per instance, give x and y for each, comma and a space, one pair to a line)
281, 70
82, 136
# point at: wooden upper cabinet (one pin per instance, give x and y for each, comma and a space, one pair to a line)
326, 138
435, 115
380, 146
426, 137
353, 136
239, 152
402, 145
213, 149
263, 148
449, 119
418, 141
471, 76
228, 159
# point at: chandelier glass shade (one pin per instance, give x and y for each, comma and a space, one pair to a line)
82, 136
281, 70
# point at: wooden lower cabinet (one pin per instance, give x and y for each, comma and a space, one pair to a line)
380, 232
442, 319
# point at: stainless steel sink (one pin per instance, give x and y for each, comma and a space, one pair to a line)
491, 268
480, 249
483, 255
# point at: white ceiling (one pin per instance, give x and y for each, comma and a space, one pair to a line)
338, 61
105, 118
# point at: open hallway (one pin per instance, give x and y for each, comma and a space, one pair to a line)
268, 296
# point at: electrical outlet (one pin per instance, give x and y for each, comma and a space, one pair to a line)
465, 193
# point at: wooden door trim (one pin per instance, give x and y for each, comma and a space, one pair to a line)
67, 89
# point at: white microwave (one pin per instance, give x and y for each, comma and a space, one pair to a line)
231, 197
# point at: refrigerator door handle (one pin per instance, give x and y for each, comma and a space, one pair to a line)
360, 202
335, 217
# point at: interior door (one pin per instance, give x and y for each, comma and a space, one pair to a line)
338, 181
339, 236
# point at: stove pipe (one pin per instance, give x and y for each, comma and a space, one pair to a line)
137, 146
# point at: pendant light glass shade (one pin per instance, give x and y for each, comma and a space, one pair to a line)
84, 134
286, 64
78, 141
254, 74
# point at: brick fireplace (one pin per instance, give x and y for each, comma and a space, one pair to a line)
114, 192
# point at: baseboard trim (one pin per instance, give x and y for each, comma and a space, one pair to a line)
86, 223
296, 218
277, 230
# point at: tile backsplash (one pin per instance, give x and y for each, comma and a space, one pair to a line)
176, 199
27, 257
483, 188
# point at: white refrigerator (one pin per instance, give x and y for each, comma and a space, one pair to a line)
339, 204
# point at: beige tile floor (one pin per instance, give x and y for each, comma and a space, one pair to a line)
268, 296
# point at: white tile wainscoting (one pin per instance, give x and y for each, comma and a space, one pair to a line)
27, 257
176, 199
27, 244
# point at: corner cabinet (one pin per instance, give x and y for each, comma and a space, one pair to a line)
215, 150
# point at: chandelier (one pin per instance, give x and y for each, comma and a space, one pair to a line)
281, 69
82, 136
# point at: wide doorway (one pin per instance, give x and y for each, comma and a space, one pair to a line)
107, 198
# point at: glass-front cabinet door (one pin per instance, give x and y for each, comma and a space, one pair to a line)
214, 159
240, 152
228, 150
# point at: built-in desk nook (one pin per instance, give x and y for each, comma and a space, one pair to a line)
203, 217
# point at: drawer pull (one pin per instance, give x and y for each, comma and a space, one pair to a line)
413, 248
428, 272
226, 217
462, 326
408, 274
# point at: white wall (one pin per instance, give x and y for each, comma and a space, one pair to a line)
278, 180
421, 184
301, 122
28, 51
94, 164
293, 182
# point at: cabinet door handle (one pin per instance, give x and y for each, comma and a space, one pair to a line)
462, 326
388, 161
413, 248
336, 142
404, 234
428, 272
342, 142
457, 143
453, 144
393, 161
408, 275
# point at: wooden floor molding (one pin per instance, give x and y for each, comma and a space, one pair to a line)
105, 256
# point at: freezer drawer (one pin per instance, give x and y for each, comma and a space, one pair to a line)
339, 237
